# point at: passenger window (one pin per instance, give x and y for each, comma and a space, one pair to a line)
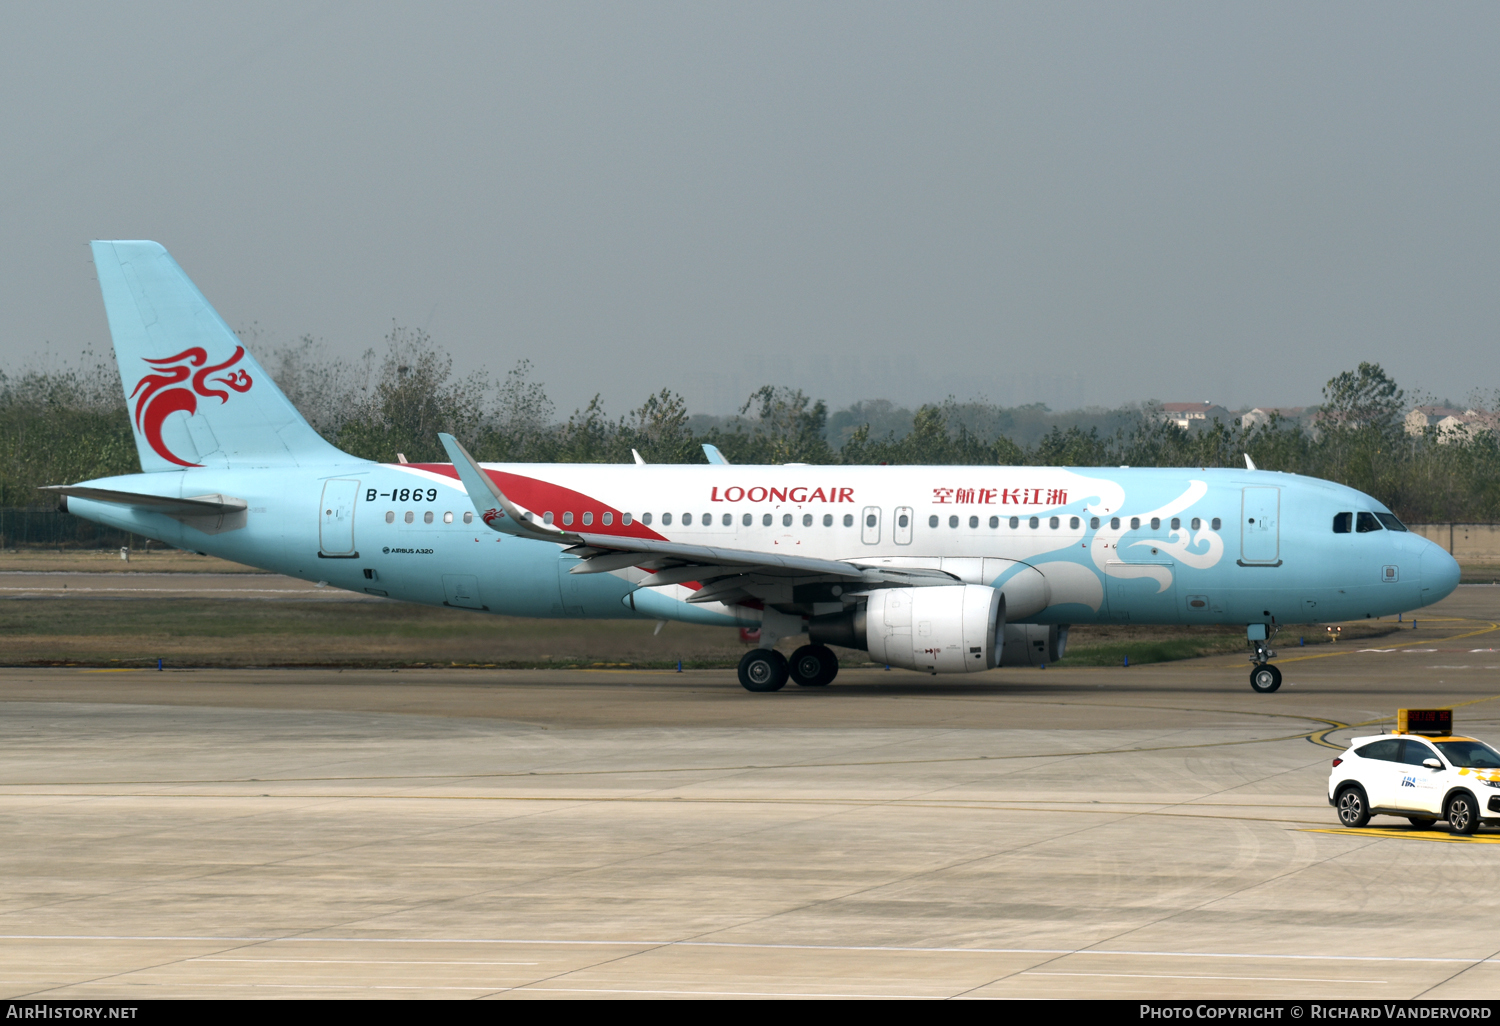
1135, 523
410, 516
390, 516
1176, 524
1390, 521
1034, 523
1094, 523
626, 518
747, 519
645, 519
1073, 523
1388, 750
807, 520
932, 521
469, 518
1216, 523
1195, 523
849, 520
687, 520
588, 518
973, 522
1052, 522
765, 520
727, 519
953, 521
447, 518
666, 520
608, 518
1343, 523
994, 522
1156, 523
708, 520
903, 520
1415, 752
1114, 523
1365, 523
828, 520
1015, 522
786, 520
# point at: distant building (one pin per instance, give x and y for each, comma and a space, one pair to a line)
1261, 415
1458, 426
1194, 415
1424, 417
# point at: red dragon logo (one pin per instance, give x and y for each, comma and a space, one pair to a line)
162, 393
491, 515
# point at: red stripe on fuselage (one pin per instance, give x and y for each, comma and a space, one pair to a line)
545, 497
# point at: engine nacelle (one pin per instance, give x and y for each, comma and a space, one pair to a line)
1033, 644
949, 629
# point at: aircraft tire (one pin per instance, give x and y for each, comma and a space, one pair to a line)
763, 669
1265, 678
814, 666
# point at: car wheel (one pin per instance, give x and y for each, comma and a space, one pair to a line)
763, 670
1265, 678
1353, 810
1421, 822
1463, 813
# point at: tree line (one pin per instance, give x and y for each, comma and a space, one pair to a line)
60, 426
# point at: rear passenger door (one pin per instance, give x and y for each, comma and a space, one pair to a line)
1381, 770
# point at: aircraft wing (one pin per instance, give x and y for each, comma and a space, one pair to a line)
726, 574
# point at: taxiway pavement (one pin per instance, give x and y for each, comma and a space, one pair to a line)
1158, 831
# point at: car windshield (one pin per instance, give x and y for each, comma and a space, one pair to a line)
1472, 754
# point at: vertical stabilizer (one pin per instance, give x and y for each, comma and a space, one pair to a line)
196, 396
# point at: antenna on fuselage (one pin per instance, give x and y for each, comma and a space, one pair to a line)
1249, 463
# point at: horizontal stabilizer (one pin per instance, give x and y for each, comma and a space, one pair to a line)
194, 506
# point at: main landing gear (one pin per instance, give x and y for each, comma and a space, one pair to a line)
765, 669
1264, 678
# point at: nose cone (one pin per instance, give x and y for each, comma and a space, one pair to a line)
1440, 574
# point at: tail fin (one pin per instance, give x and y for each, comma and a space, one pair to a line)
197, 398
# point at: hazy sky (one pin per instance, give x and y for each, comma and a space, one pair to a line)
1033, 202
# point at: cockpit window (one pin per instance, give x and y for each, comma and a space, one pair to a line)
1366, 523
1390, 521
1472, 754
1343, 523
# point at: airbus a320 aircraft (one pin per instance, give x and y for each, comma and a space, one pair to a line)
936, 569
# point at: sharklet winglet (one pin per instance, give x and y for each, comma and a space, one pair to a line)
477, 483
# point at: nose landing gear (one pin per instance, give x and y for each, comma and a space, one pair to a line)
1264, 678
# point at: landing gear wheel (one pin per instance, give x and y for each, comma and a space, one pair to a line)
763, 669
1421, 822
1353, 810
1265, 678
1463, 813
813, 666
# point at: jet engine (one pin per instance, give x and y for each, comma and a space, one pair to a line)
946, 629
1034, 644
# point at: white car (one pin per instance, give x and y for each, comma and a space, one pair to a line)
1424, 779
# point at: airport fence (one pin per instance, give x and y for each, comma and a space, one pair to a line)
22, 528
1464, 542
